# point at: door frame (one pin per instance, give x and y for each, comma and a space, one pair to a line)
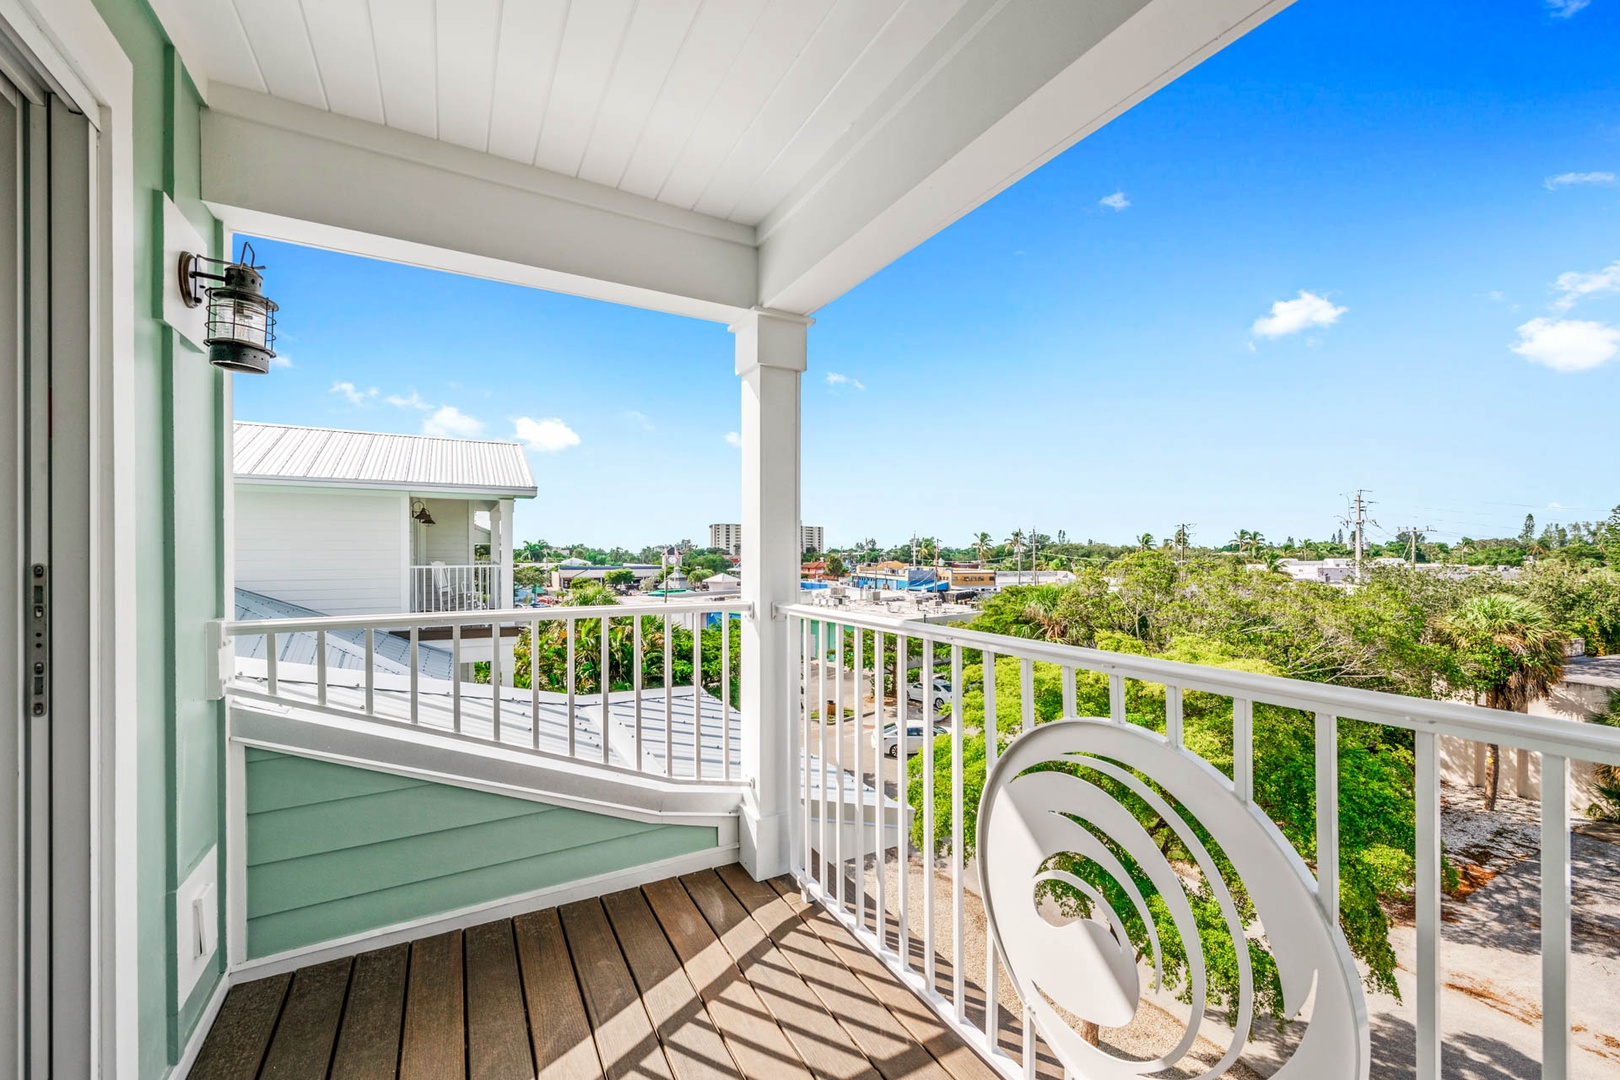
77, 54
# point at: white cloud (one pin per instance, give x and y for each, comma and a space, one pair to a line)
1572, 285
1301, 313
281, 361
1116, 201
450, 422
1569, 179
640, 418
547, 436
1568, 344
733, 439
411, 401
1563, 9
360, 399
836, 379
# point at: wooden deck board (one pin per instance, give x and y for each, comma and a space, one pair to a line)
235, 1046
874, 1029
368, 1041
302, 1046
691, 1043
625, 1039
434, 1044
758, 1045
815, 1032
709, 977
919, 1021
497, 1029
559, 1030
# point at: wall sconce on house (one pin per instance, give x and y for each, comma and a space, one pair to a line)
241, 319
421, 515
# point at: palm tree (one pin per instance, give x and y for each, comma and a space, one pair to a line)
1144, 541
1509, 650
981, 544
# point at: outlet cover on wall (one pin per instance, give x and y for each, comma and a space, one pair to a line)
196, 923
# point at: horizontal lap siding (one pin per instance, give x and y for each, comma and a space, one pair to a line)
337, 552
334, 850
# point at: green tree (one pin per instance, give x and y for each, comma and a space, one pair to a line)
835, 566
619, 579
1510, 652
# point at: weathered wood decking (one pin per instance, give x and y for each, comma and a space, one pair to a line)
710, 976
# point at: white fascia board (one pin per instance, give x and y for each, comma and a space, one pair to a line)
438, 491
1026, 81
277, 169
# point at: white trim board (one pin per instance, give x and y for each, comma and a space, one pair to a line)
205, 1024
539, 899
559, 782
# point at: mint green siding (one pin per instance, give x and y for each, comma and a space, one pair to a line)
334, 850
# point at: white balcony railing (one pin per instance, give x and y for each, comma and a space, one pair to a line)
441, 587
665, 710
834, 647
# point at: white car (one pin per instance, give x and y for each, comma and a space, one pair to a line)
887, 741
938, 698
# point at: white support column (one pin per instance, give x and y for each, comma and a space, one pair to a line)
770, 361
502, 556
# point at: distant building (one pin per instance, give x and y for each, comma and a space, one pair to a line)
728, 538
1330, 571
365, 523
969, 578
565, 574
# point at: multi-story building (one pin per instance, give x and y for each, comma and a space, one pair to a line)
728, 538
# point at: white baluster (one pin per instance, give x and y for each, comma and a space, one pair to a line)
455, 677
1327, 815
1426, 856
371, 672
320, 666
1555, 919
992, 747
569, 651
902, 904
1243, 748
603, 677
958, 983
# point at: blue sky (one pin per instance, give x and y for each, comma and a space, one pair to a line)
1372, 244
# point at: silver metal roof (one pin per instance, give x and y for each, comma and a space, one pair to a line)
282, 454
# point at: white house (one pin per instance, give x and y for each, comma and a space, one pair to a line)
364, 523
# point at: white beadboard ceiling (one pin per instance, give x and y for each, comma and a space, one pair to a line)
725, 107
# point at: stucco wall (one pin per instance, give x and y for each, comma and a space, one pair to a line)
1462, 762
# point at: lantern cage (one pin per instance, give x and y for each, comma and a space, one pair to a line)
241, 325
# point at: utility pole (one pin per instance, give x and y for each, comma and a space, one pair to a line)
1183, 536
1358, 522
1412, 533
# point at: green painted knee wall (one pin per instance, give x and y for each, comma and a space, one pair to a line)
334, 850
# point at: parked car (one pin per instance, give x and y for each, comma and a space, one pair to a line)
939, 696
887, 741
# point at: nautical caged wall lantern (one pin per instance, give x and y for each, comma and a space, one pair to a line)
241, 319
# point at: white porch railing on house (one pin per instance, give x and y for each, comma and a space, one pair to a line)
680, 729
441, 587
829, 651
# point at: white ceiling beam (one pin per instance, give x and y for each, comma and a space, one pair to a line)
984, 107
276, 169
